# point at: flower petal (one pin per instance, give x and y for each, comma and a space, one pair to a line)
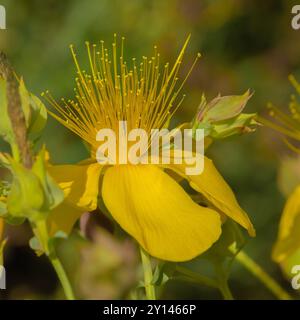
158, 213
63, 218
79, 182
289, 237
214, 188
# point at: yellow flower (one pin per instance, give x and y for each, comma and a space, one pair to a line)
288, 241
287, 246
144, 200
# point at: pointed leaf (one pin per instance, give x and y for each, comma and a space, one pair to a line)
5, 124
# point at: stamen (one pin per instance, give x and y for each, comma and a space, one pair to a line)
140, 95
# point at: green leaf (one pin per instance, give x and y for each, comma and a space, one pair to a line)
5, 125
159, 275
53, 194
39, 117
206, 126
5, 214
243, 123
229, 244
24, 95
34, 110
33, 193
26, 197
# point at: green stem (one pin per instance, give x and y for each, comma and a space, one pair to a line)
196, 277
224, 289
41, 232
60, 271
148, 275
222, 282
260, 274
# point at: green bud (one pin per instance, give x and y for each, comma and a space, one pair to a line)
33, 192
34, 111
53, 194
243, 123
26, 197
223, 108
223, 117
4, 191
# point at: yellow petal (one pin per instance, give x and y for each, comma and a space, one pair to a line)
63, 218
157, 212
79, 182
289, 236
214, 188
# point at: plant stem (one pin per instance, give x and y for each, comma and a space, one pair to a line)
21, 151
196, 277
260, 274
148, 275
60, 271
222, 282
41, 231
226, 293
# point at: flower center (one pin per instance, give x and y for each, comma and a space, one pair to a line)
145, 95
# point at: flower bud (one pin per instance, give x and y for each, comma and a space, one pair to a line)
223, 117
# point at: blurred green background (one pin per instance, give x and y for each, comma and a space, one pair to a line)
244, 44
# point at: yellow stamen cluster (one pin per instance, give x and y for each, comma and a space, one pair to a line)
142, 95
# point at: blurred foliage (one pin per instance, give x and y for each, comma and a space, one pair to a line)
245, 45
